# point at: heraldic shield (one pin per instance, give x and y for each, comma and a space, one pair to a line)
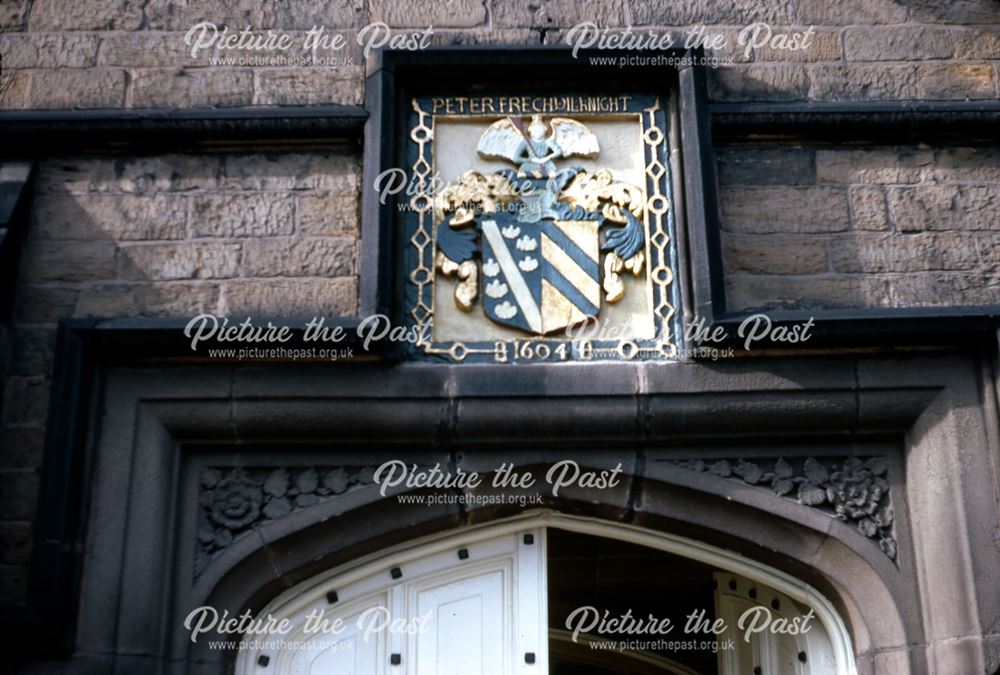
540, 277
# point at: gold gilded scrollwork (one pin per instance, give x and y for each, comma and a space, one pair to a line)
471, 195
602, 191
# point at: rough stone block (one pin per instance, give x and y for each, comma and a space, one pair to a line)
82, 88
239, 215
112, 217
765, 166
903, 253
13, 14
423, 13
25, 402
186, 88
759, 82
15, 543
868, 207
955, 11
323, 257
201, 260
813, 292
69, 261
22, 447
851, 12
774, 255
738, 12
824, 45
973, 165
945, 207
38, 304
14, 86
52, 50
956, 81
52, 16
784, 209
875, 165
900, 43
560, 14
328, 214
300, 171
858, 82
310, 86
291, 297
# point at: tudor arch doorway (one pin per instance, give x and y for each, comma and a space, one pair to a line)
498, 600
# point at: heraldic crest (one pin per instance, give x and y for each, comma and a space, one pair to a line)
543, 243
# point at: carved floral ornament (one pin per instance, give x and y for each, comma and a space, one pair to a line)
853, 490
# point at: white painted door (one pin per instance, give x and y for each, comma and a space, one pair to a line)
469, 607
766, 652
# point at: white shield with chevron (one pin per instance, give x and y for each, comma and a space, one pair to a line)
540, 277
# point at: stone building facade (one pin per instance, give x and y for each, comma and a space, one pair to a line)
828, 213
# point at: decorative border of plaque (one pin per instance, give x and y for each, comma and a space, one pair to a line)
433, 218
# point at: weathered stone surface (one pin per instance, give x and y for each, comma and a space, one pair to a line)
284, 15
15, 543
765, 166
150, 50
38, 304
955, 11
759, 82
33, 347
738, 12
900, 43
168, 88
53, 50
498, 36
868, 207
939, 289
559, 14
201, 260
858, 82
84, 88
851, 12
23, 447
13, 14
956, 81
112, 217
784, 209
291, 297
423, 13
157, 299
323, 257
312, 171
945, 207
14, 87
309, 86
57, 15
807, 292
25, 401
978, 44
823, 45
239, 215
903, 253
328, 214
874, 165
989, 250
70, 261
774, 255
975, 165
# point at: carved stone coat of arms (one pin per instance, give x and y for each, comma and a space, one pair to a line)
544, 243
